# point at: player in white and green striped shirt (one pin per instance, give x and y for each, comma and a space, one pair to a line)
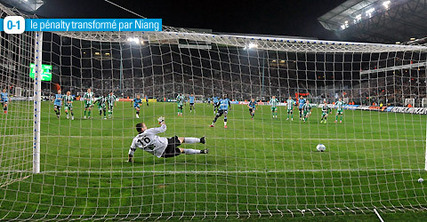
340, 110
290, 111
274, 102
68, 105
111, 100
88, 99
306, 108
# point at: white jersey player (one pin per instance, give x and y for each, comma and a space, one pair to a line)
148, 140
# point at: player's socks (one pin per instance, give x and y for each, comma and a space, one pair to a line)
85, 113
192, 140
88, 114
191, 151
100, 112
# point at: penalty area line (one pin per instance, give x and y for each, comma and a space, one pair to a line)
209, 171
249, 138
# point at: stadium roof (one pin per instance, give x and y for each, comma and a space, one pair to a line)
25, 5
378, 20
333, 19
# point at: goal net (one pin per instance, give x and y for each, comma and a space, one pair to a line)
260, 165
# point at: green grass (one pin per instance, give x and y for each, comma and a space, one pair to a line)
263, 167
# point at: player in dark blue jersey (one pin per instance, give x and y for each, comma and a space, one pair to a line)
136, 104
301, 103
224, 104
146, 100
4, 100
57, 103
215, 103
252, 107
191, 100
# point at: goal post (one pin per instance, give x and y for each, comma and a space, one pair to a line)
38, 53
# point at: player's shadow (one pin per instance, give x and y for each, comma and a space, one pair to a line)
179, 161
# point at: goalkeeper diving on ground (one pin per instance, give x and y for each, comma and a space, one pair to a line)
148, 140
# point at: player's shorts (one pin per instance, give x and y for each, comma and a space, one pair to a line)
300, 109
172, 147
4, 102
68, 107
216, 105
324, 114
57, 107
179, 106
220, 112
191, 104
110, 107
290, 111
88, 105
306, 113
251, 109
101, 107
340, 112
136, 106
273, 109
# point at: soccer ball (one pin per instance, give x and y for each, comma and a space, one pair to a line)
420, 180
320, 147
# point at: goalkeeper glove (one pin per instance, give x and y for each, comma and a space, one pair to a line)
161, 120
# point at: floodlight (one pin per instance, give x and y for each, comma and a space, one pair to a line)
386, 4
252, 45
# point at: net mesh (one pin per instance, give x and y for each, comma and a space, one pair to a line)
260, 166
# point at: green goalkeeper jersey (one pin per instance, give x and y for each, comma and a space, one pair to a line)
274, 103
290, 103
340, 106
111, 99
88, 98
68, 100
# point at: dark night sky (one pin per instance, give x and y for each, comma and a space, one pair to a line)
274, 17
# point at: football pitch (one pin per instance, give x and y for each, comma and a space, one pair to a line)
261, 167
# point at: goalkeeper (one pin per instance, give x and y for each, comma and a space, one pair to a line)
148, 140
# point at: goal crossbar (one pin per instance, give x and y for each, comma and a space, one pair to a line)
393, 68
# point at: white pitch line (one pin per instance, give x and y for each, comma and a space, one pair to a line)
248, 138
236, 138
208, 171
378, 215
